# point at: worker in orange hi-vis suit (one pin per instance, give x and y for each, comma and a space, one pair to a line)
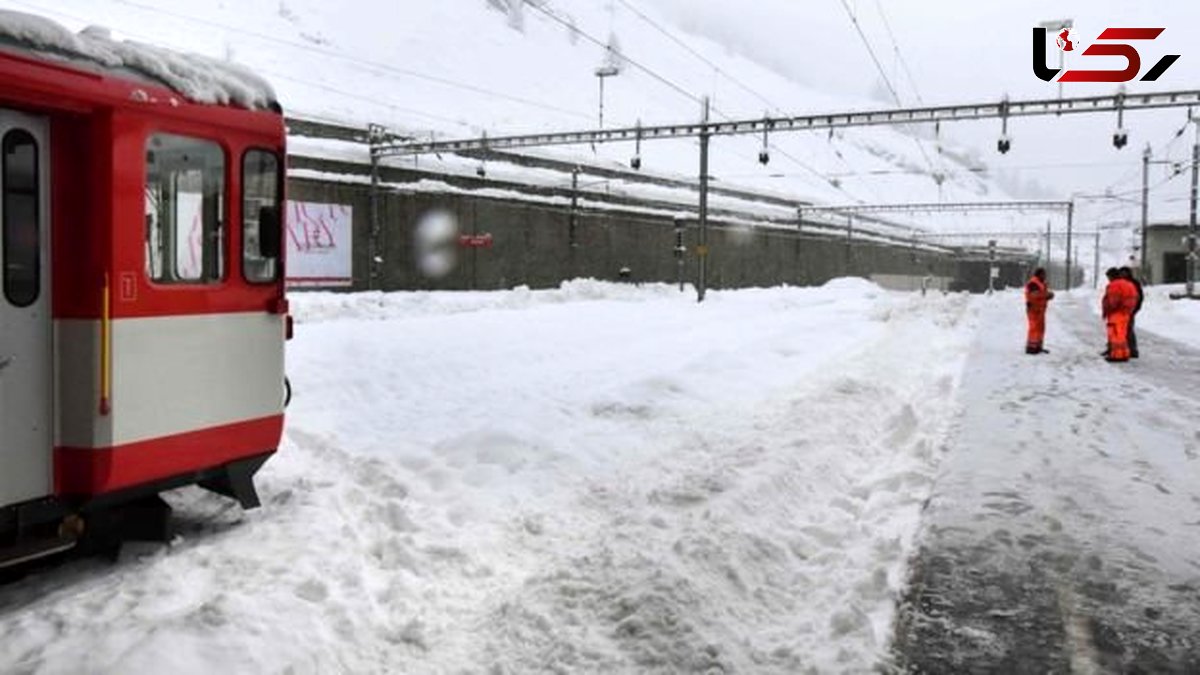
1120, 300
1037, 297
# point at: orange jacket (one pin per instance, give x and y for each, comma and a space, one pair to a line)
1120, 297
1037, 296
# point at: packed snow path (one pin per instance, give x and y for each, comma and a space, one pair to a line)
598, 479
1062, 536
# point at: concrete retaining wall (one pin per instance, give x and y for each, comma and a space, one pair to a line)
532, 245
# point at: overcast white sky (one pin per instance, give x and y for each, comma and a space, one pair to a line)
961, 50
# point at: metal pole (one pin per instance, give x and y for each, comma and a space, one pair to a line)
1145, 208
1191, 258
702, 249
849, 244
573, 223
991, 265
1096, 266
601, 78
1061, 64
680, 250
1070, 224
373, 136
1047, 261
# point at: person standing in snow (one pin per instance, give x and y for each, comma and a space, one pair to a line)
1120, 299
1127, 273
1037, 298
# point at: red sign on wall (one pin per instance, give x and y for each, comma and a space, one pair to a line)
475, 240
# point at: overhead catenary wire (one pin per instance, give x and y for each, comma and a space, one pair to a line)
1126, 206
689, 49
1135, 172
882, 73
912, 81
887, 82
604, 45
674, 86
365, 99
737, 81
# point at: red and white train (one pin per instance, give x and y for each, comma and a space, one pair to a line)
142, 307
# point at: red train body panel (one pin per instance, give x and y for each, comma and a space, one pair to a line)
142, 317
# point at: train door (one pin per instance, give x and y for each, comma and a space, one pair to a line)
26, 361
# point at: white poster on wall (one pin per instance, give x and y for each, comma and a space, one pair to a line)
320, 244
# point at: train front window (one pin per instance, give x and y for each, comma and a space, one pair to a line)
185, 210
19, 179
261, 222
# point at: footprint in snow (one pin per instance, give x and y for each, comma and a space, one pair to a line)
313, 590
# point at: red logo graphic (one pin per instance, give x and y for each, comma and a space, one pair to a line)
1106, 45
1064, 41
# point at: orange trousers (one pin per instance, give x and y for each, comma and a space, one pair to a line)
1118, 336
1037, 330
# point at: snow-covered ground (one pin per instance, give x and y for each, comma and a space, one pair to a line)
600, 478
1062, 532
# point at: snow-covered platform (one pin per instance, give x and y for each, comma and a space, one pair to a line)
596, 479
612, 479
1063, 533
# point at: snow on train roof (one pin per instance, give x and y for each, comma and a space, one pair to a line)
198, 78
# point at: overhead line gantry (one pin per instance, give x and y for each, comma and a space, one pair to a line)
705, 129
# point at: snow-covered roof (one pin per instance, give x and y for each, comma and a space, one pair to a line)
198, 78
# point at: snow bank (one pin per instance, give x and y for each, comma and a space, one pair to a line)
199, 78
599, 478
1175, 319
315, 307
853, 286
318, 306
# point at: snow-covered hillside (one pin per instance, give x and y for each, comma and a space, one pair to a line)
462, 67
596, 479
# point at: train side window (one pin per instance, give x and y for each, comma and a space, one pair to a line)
262, 224
185, 210
21, 226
